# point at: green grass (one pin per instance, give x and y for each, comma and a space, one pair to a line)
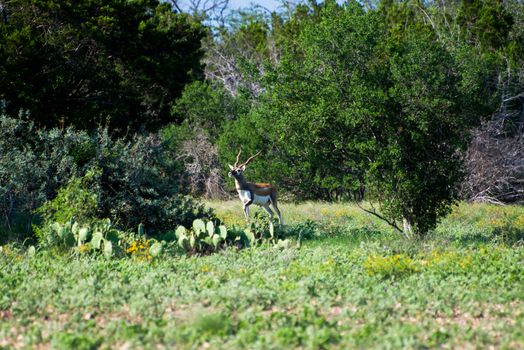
357, 284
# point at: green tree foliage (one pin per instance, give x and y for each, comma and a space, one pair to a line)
205, 107
304, 124
360, 106
485, 21
418, 168
117, 63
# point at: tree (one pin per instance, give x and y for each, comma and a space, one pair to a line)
304, 123
237, 57
117, 63
417, 174
362, 107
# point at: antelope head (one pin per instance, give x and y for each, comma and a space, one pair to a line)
238, 169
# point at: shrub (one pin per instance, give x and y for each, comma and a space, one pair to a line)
74, 201
34, 164
133, 181
141, 182
198, 154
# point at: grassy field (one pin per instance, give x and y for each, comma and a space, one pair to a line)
355, 284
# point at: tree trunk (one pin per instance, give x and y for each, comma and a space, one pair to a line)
407, 229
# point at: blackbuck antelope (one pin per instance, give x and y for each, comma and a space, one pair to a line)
262, 194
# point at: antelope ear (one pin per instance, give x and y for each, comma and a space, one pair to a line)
243, 168
231, 167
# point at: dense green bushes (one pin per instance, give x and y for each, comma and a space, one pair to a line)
33, 165
129, 181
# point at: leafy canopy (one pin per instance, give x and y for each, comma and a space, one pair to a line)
362, 106
89, 63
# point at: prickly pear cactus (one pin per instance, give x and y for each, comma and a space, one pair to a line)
180, 231
64, 232
96, 240
192, 242
223, 232
210, 228
156, 250
183, 242
199, 228
83, 235
75, 228
108, 249
216, 239
31, 251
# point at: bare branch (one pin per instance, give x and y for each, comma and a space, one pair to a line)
513, 97
494, 165
374, 212
207, 9
202, 167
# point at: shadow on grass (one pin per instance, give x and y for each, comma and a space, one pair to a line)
508, 238
472, 239
351, 236
397, 243
19, 230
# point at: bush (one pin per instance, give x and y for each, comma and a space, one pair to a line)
141, 182
199, 156
34, 164
74, 201
132, 181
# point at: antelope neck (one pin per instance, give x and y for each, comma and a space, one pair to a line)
241, 183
